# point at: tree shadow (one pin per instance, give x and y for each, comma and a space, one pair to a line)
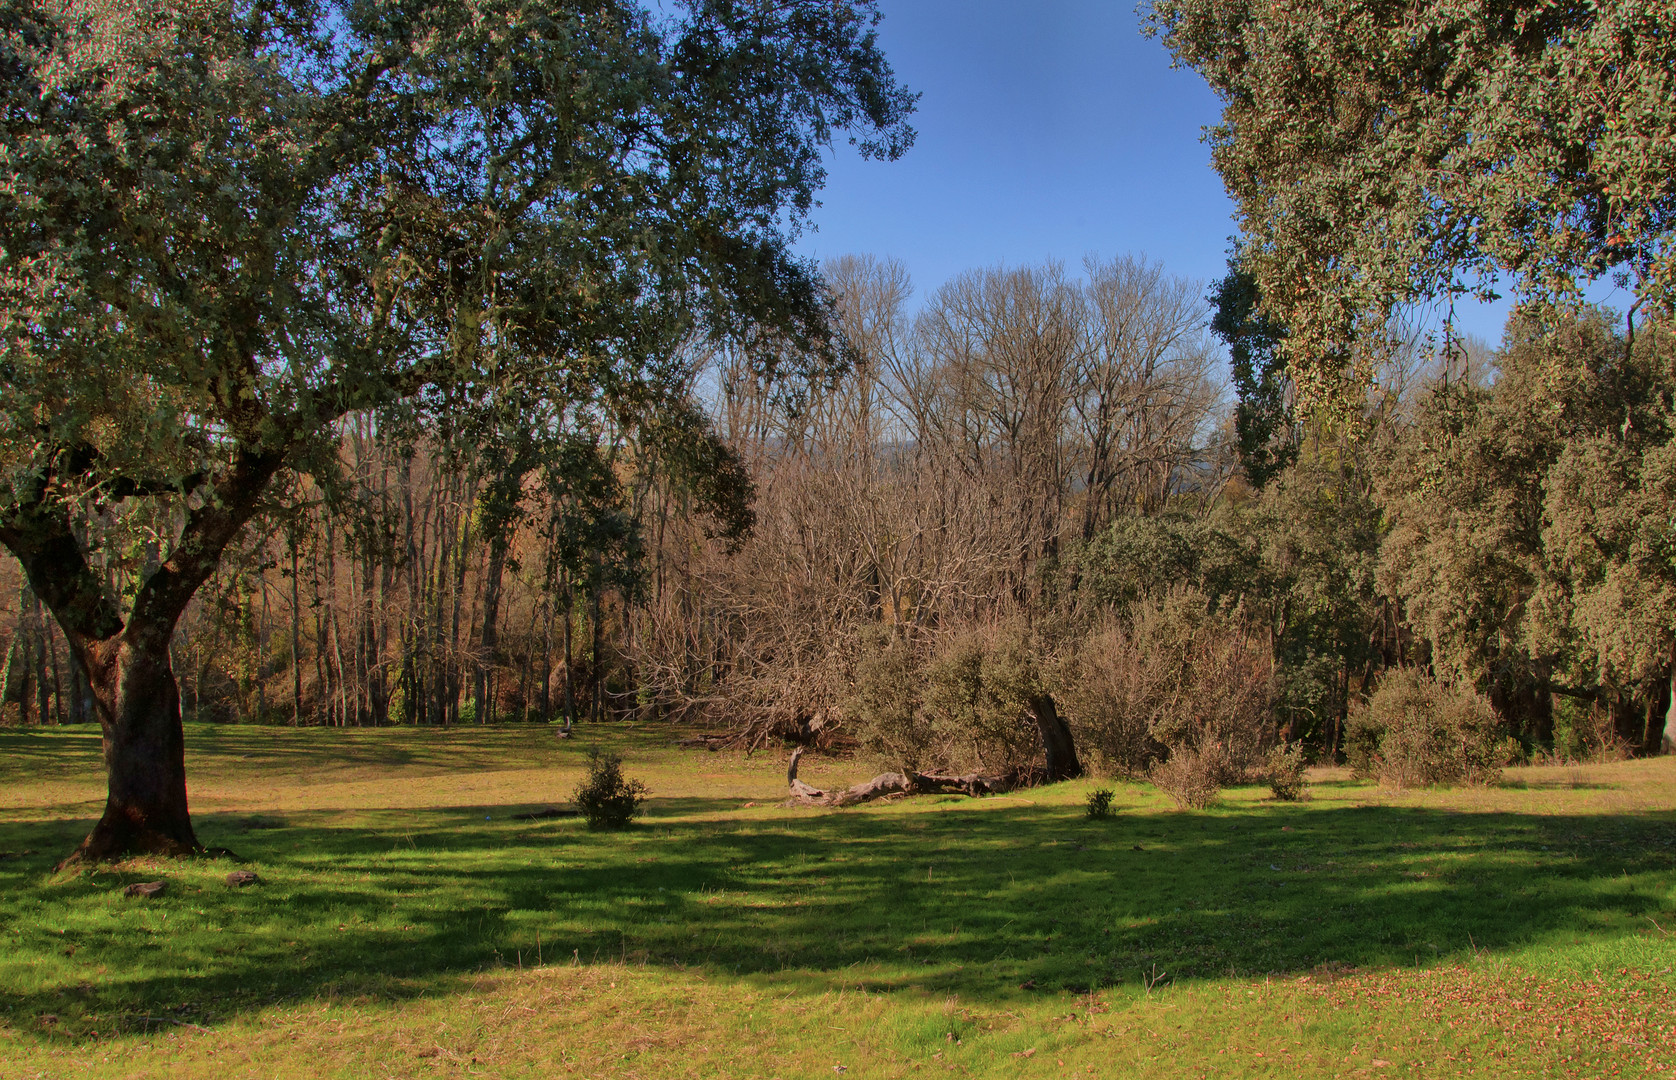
975, 897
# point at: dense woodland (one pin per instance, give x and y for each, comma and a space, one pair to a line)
1031, 486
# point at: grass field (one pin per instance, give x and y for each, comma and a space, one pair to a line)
408, 924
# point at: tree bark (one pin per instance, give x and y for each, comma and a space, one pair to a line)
83, 709
1057, 743
1660, 731
489, 643
902, 783
138, 704
127, 660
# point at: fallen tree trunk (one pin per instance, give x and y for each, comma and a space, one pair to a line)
895, 783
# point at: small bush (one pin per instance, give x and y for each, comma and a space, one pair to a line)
605, 798
1100, 803
1418, 732
1190, 777
1286, 772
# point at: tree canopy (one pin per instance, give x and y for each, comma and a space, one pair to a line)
1383, 153
227, 224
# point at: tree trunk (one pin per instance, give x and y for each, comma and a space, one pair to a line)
886, 785
38, 658
1661, 722
1629, 722
128, 660
1057, 744
138, 704
296, 635
83, 709
489, 644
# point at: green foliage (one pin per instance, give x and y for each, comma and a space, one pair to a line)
969, 705
1143, 556
608, 800
1417, 732
1583, 732
1099, 803
1320, 531
1298, 560
980, 690
1263, 419
1530, 538
1383, 154
398, 707
1285, 772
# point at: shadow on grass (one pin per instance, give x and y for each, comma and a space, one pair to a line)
973, 898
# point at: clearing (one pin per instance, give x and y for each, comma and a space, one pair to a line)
408, 923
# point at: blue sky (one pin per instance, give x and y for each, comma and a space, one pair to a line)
1046, 130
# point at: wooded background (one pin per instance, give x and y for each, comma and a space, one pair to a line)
1033, 456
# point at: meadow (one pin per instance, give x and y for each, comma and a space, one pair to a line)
409, 922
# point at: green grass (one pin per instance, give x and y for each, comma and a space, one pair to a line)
408, 924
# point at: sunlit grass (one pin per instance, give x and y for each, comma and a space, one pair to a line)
408, 922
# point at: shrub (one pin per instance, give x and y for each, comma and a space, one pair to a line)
884, 704
1100, 803
1179, 674
606, 799
1286, 772
1417, 732
1190, 776
978, 693
1584, 732
968, 706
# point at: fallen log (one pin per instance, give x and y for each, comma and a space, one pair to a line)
895, 783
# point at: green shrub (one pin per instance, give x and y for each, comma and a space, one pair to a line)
1584, 732
978, 691
1286, 772
965, 707
1417, 732
1100, 803
606, 799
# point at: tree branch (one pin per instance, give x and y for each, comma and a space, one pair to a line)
233, 499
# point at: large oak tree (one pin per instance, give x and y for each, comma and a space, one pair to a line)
227, 224
1382, 152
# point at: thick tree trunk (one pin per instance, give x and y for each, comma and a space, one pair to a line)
145, 756
127, 660
1057, 744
